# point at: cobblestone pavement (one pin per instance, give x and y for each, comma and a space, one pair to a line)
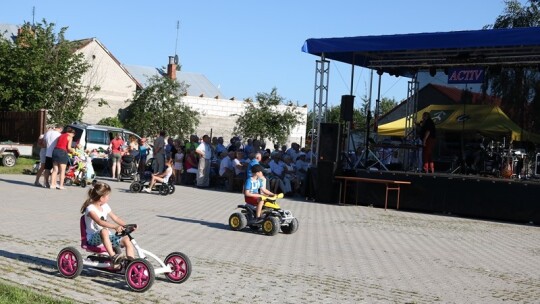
340, 254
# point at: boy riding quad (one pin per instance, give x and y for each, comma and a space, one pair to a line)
261, 209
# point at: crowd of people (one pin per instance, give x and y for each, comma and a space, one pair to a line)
205, 160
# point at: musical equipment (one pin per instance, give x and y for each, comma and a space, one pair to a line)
347, 107
506, 171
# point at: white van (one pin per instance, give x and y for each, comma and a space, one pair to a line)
98, 137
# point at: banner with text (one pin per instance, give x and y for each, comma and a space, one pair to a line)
466, 75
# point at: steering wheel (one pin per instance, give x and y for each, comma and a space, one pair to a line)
129, 228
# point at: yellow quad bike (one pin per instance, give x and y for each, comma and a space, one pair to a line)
274, 218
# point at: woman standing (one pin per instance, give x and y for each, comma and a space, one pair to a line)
116, 153
144, 150
428, 135
60, 157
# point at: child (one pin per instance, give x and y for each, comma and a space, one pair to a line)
179, 164
254, 187
96, 210
162, 177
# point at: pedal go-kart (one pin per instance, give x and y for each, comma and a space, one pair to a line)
162, 188
139, 272
274, 218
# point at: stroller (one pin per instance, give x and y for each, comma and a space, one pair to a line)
76, 172
129, 165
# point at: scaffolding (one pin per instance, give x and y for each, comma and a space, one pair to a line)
320, 103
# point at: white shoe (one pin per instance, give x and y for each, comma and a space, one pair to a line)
146, 190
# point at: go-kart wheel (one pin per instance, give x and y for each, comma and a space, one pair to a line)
181, 267
68, 182
9, 160
163, 189
171, 189
291, 227
135, 187
140, 275
237, 221
83, 183
69, 262
270, 225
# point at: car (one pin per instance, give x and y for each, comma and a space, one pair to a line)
97, 137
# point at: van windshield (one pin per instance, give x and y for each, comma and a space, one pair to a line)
97, 137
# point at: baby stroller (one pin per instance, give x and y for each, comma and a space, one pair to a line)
76, 172
128, 171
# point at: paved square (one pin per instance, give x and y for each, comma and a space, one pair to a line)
340, 254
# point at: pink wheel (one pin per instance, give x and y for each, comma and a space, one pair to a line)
181, 267
69, 262
140, 275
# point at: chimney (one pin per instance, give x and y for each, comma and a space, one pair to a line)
171, 68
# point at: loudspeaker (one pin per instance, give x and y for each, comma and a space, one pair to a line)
347, 107
325, 191
329, 142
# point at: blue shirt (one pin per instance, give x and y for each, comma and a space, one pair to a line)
252, 163
253, 185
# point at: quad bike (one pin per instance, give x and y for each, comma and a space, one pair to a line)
139, 272
273, 217
162, 188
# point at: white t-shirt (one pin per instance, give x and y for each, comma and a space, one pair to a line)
206, 148
168, 173
236, 163
225, 163
91, 226
51, 138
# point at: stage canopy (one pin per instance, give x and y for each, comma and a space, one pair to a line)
486, 119
404, 54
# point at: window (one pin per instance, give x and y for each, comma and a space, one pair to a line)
97, 137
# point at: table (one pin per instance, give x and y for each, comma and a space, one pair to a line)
391, 185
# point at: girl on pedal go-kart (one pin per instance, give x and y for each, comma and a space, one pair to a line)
96, 210
162, 177
255, 187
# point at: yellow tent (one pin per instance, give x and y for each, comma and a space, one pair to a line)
486, 119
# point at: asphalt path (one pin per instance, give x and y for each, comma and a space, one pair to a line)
340, 254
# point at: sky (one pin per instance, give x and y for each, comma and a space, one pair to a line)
248, 47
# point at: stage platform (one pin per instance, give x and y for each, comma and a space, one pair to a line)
514, 200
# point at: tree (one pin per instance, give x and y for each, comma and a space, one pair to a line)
111, 121
263, 120
159, 107
42, 71
516, 86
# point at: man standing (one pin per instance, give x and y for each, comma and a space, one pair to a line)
204, 150
159, 152
50, 138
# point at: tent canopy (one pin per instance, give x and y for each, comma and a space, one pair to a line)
405, 53
486, 119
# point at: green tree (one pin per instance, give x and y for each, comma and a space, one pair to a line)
517, 86
41, 70
159, 107
111, 121
263, 120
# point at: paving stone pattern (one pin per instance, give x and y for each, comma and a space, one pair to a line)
340, 254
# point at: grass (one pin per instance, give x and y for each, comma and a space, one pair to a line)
11, 294
23, 165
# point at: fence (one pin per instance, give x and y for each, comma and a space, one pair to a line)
22, 127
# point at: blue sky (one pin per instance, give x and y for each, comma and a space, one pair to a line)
246, 47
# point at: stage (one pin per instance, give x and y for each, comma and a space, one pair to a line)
513, 200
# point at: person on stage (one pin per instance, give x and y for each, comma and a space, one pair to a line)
428, 135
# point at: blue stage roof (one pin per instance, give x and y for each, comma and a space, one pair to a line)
405, 53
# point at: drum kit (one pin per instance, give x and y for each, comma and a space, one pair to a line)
499, 160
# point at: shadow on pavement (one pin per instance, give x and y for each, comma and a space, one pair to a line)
209, 224
16, 182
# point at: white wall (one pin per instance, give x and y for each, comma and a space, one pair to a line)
115, 83
215, 117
